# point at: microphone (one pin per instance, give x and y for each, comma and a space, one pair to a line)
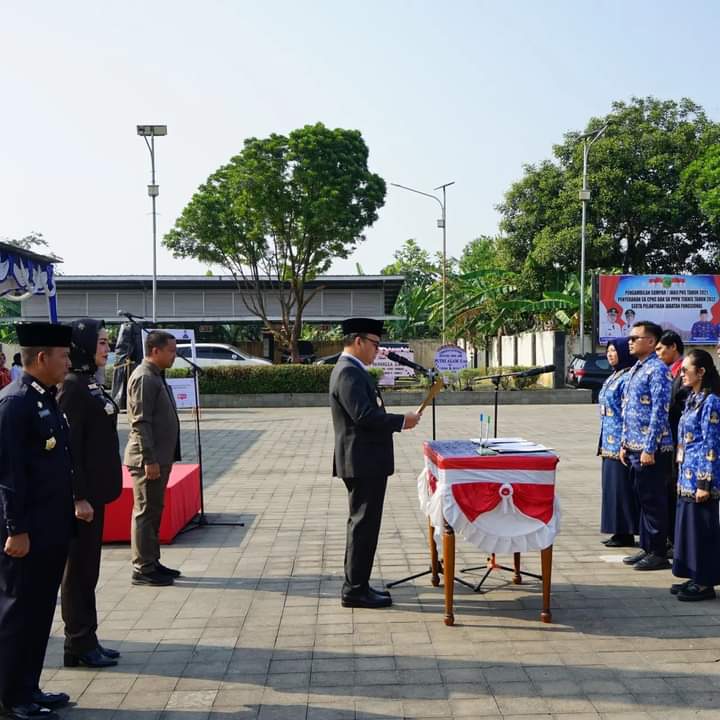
400, 360
129, 316
532, 372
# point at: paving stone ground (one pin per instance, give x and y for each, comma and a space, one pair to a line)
255, 628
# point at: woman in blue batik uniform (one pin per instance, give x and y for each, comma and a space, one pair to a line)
697, 528
620, 513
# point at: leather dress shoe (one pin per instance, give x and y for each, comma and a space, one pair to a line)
652, 562
167, 571
108, 652
31, 711
50, 700
92, 659
693, 593
384, 593
633, 559
368, 599
620, 540
154, 578
677, 587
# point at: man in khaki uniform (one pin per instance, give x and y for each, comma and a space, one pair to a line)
153, 446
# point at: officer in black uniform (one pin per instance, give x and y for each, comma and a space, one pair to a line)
36, 517
363, 455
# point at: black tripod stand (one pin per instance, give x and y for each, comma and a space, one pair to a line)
201, 520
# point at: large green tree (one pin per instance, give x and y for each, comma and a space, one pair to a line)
702, 178
278, 214
643, 217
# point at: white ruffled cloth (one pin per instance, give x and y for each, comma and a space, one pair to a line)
501, 504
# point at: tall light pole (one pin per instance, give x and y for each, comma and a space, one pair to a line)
441, 223
588, 140
153, 131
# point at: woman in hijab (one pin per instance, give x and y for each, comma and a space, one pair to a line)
92, 416
620, 514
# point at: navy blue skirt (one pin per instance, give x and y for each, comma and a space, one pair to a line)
697, 542
620, 513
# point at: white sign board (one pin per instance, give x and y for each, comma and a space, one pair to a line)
183, 390
182, 337
392, 370
450, 358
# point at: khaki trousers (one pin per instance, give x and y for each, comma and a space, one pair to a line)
149, 500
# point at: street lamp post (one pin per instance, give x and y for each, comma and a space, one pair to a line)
153, 131
441, 224
588, 140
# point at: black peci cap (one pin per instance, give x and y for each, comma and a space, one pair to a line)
43, 334
362, 325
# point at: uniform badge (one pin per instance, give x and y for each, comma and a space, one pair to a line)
689, 437
609, 412
109, 409
714, 418
688, 474
645, 430
611, 438
50, 443
645, 400
34, 385
711, 455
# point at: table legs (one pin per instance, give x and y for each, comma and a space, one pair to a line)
517, 578
434, 564
449, 571
546, 564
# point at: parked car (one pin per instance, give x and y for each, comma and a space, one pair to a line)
588, 372
218, 354
328, 359
306, 353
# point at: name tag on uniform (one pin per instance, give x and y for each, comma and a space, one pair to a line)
44, 413
680, 454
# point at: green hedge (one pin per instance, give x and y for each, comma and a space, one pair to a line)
264, 379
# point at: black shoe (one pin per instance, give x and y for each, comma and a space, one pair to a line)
384, 593
652, 562
366, 600
167, 571
154, 578
108, 652
50, 700
693, 593
670, 553
620, 541
636, 558
31, 711
92, 659
677, 587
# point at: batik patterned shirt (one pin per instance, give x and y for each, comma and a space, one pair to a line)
610, 401
699, 446
646, 404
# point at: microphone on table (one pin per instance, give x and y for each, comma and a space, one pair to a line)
400, 360
535, 371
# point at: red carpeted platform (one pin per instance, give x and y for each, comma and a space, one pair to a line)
182, 504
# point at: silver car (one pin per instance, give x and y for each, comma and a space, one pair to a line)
217, 355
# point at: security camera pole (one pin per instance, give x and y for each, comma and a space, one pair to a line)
153, 131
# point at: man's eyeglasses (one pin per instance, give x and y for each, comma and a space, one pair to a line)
634, 338
376, 343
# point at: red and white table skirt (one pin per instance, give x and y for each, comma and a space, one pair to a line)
500, 503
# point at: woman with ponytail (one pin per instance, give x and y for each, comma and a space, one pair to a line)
620, 514
697, 526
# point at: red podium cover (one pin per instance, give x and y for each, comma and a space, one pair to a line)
500, 503
182, 504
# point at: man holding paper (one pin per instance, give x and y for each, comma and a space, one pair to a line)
363, 455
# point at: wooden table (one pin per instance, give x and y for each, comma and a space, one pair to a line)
503, 504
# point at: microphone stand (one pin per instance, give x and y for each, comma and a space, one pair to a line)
201, 520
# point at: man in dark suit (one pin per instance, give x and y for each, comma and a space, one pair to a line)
670, 349
36, 517
363, 454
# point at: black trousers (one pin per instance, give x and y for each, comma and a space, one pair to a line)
650, 486
28, 595
82, 570
365, 499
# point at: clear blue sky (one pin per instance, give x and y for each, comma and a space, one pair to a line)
464, 91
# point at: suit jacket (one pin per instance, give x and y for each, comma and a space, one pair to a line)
363, 429
92, 416
154, 425
678, 395
35, 466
